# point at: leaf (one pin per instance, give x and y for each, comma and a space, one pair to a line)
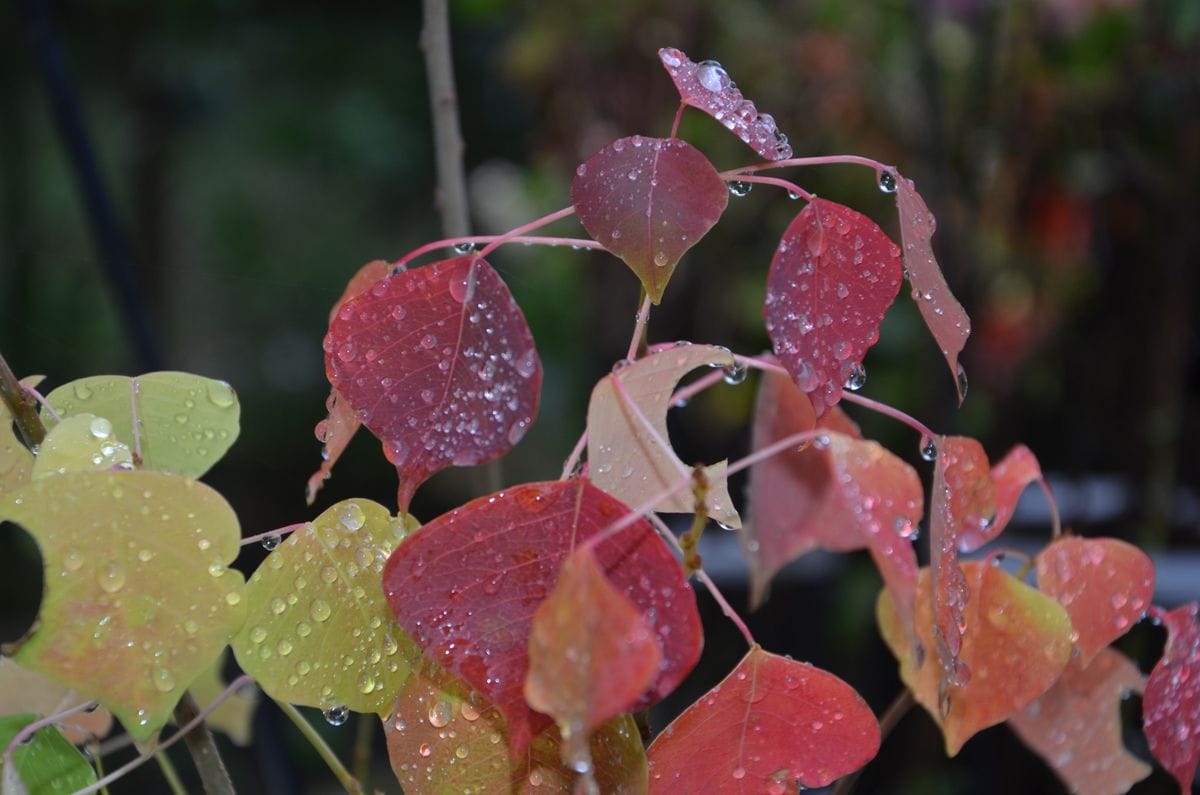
627, 456
1017, 642
79, 442
318, 631
941, 311
138, 599
46, 765
1011, 475
235, 715
22, 690
1105, 585
648, 200
445, 737
439, 364
466, 586
832, 278
16, 462
706, 85
186, 422
771, 724
1076, 725
592, 654
1171, 703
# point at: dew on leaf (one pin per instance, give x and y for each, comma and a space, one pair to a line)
336, 715
735, 373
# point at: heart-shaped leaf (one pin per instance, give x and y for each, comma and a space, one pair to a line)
628, 448
648, 200
1011, 475
46, 765
22, 690
16, 462
1171, 703
467, 584
832, 278
81, 441
770, 725
439, 364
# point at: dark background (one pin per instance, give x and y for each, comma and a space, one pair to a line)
257, 153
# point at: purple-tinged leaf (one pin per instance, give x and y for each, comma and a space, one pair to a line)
1171, 704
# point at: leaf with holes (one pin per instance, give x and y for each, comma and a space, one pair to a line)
1011, 475
1017, 642
45, 765
81, 441
941, 311
706, 86
648, 200
318, 630
832, 278
138, 598
1105, 584
1076, 725
16, 462
794, 724
442, 736
22, 690
629, 453
466, 586
1171, 703
439, 363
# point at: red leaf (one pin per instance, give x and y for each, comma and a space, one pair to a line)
771, 724
439, 364
706, 85
1105, 585
943, 314
833, 276
1171, 704
465, 587
648, 200
364, 279
1011, 475
1076, 725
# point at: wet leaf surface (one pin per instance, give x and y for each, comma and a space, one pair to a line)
47, 765
22, 690
1171, 703
81, 442
1011, 475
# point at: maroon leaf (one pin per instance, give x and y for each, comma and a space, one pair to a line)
466, 586
943, 314
706, 85
833, 276
771, 724
648, 200
1171, 704
1011, 475
439, 363
1104, 584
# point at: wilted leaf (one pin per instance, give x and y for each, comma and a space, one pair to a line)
318, 630
22, 690
1011, 475
771, 724
439, 364
627, 458
1171, 704
1076, 725
1105, 585
46, 765
138, 598
234, 716
16, 462
832, 278
648, 200
466, 585
80, 442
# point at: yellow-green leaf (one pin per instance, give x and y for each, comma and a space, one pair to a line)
81, 442
16, 462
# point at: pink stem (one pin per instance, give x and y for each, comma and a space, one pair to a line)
639, 328
31, 729
529, 227
280, 533
764, 453
573, 459
827, 160
761, 363
678, 117
791, 187
135, 422
1056, 520
538, 240
699, 385
889, 411
36, 395
645, 509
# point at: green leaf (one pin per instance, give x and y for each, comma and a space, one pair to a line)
185, 422
16, 462
81, 442
138, 598
319, 631
47, 763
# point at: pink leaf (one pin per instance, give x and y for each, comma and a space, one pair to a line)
466, 585
1011, 475
648, 200
1171, 704
833, 276
439, 363
771, 725
706, 85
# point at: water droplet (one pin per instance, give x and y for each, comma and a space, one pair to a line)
82, 391
220, 394
962, 381
336, 715
739, 773
465, 248
440, 713
258, 634
928, 449
857, 378
164, 682
713, 76
100, 428
740, 188
352, 517
366, 683
233, 598
319, 610
425, 749
111, 577
270, 542
74, 560
887, 183
735, 373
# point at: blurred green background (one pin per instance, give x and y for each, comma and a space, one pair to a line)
257, 153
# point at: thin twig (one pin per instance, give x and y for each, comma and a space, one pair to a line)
891, 716
280, 533
537, 223
889, 411
573, 459
638, 341
686, 393
203, 747
364, 732
170, 774
827, 160
348, 782
795, 191
447, 133
1056, 521
786, 443
22, 406
678, 118
32, 728
479, 240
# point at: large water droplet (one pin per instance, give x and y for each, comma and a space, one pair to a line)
220, 394
270, 542
962, 381
465, 248
111, 577
352, 517
100, 428
735, 373
740, 188
319, 610
336, 715
857, 378
712, 76
928, 449
887, 183
164, 682
440, 713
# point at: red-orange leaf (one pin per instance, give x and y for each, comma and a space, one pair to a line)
1105, 585
771, 725
1171, 704
1076, 725
1011, 475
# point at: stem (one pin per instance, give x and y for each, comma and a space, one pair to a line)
451, 195
678, 117
764, 453
644, 510
363, 734
281, 532
41, 401
348, 782
637, 342
1055, 519
892, 716
534, 240
135, 422
203, 747
827, 160
22, 406
529, 227
30, 729
790, 187
170, 774
761, 363
889, 411
699, 385
573, 459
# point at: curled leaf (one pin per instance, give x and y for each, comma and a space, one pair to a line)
81, 441
1171, 703
1011, 475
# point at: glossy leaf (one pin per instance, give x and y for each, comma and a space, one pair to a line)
138, 599
439, 363
47, 765
1011, 475
467, 584
706, 85
771, 724
79, 442
648, 200
185, 422
233, 717
941, 311
1171, 703
1076, 725
1105, 585
832, 278
1017, 642
22, 690
16, 462
443, 736
318, 631
627, 456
